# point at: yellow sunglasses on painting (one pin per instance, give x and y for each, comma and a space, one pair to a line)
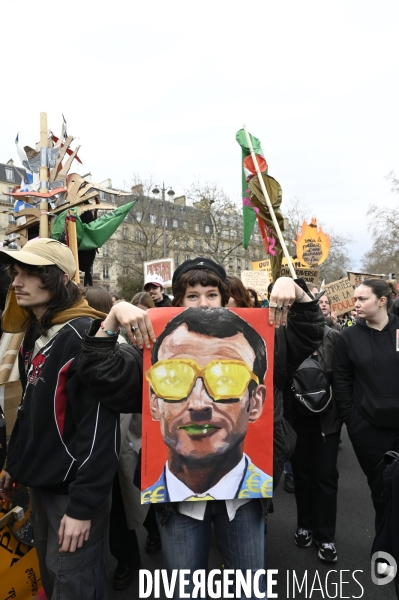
173, 379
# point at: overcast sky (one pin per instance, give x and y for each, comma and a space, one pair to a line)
161, 88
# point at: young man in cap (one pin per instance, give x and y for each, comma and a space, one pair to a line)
154, 286
65, 443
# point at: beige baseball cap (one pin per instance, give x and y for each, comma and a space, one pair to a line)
42, 252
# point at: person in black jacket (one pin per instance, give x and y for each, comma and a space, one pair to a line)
154, 286
314, 462
240, 522
65, 443
366, 383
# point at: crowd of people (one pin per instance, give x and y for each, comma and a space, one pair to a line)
77, 439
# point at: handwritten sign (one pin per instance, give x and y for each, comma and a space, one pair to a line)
356, 278
310, 274
263, 265
164, 267
341, 295
312, 244
258, 280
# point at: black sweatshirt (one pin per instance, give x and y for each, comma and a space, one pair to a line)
65, 440
366, 368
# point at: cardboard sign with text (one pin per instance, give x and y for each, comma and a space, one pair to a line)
258, 280
356, 278
341, 295
163, 267
310, 274
263, 265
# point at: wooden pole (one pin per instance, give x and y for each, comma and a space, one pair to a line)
73, 241
269, 204
9, 356
43, 230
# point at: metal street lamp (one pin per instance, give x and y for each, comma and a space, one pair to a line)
170, 193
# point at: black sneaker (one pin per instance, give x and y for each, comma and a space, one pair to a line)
303, 537
123, 577
327, 552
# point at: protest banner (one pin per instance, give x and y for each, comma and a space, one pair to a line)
164, 267
310, 274
174, 371
258, 280
341, 295
263, 265
356, 278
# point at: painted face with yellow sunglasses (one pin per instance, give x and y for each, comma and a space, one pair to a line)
200, 396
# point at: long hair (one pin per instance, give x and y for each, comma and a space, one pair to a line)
254, 295
203, 277
99, 298
61, 296
238, 291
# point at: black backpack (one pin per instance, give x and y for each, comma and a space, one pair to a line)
311, 386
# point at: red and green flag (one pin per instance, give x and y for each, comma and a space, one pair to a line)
248, 171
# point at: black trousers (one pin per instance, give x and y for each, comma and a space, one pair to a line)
123, 543
370, 444
314, 464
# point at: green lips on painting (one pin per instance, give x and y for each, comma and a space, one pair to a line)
194, 429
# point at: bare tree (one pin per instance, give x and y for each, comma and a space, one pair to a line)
221, 219
384, 254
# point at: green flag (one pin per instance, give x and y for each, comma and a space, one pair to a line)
247, 172
95, 234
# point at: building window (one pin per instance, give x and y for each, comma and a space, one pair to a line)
152, 238
185, 224
105, 250
247, 265
139, 236
124, 233
138, 216
125, 270
230, 263
196, 227
197, 245
176, 260
105, 272
102, 195
238, 263
175, 223
187, 257
153, 219
207, 229
10, 174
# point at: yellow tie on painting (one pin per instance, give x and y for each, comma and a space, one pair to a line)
198, 498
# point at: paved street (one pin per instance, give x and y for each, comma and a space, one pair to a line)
354, 538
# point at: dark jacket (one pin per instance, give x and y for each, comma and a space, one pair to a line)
366, 371
293, 344
166, 301
330, 419
64, 439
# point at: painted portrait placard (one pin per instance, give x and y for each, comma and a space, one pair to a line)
208, 406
